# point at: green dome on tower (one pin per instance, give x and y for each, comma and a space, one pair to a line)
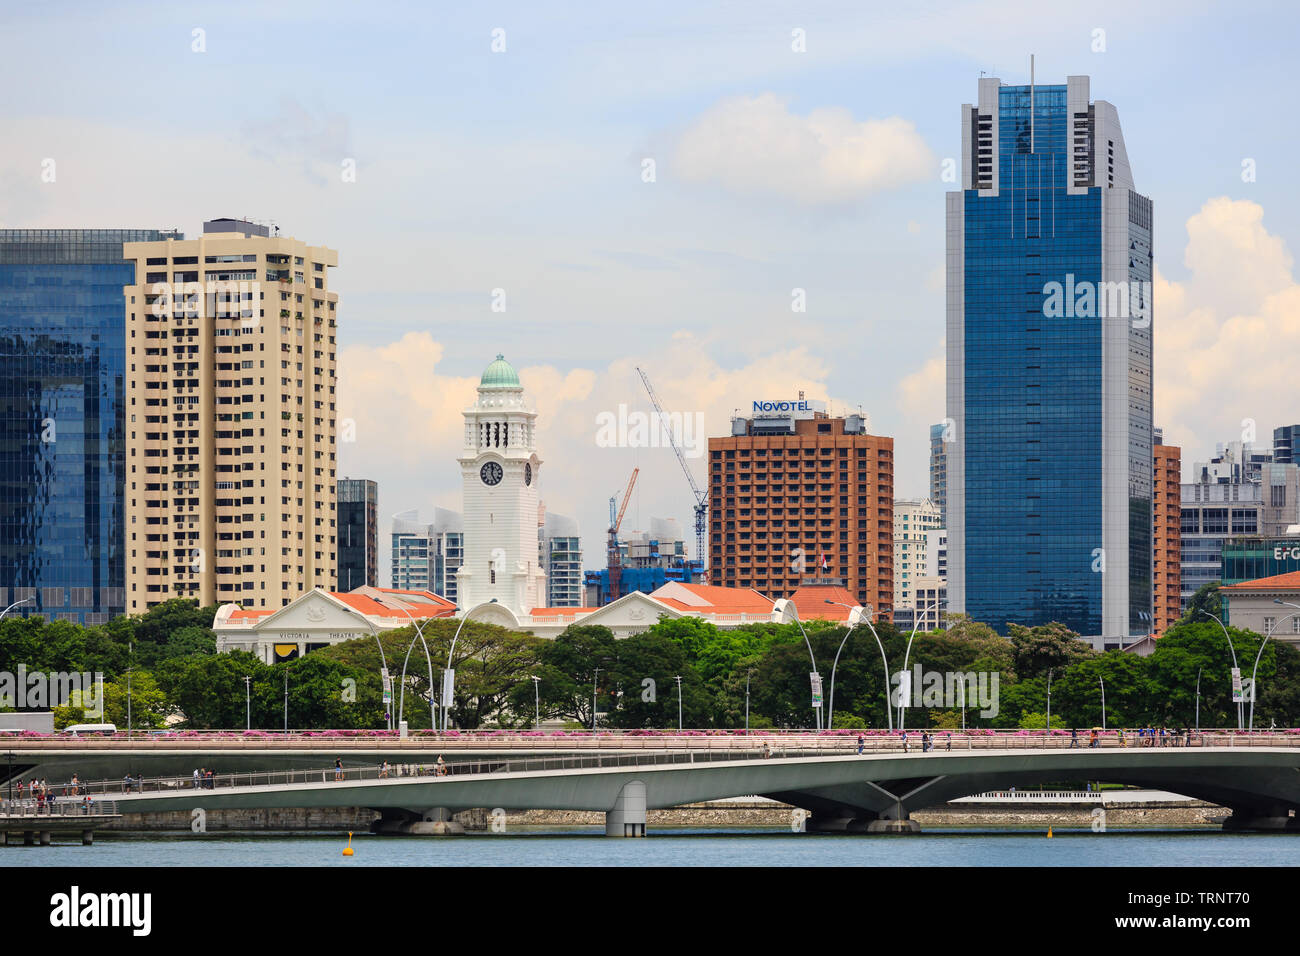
500, 374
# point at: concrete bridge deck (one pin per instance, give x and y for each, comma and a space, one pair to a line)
844, 791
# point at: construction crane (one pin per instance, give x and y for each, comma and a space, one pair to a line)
615, 559
701, 497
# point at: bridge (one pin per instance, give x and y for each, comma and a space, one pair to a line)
875, 791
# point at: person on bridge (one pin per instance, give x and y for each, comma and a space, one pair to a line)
338, 768
196, 778
1074, 738
906, 748
861, 741
441, 768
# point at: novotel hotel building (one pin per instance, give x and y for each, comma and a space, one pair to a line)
798, 496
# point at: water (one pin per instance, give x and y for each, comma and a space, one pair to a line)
588, 846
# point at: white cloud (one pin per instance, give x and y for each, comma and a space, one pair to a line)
756, 146
1226, 339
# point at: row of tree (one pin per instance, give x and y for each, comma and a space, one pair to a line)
711, 677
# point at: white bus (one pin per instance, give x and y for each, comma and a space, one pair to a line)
78, 730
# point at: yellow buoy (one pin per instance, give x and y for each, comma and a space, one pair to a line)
347, 850
1049, 836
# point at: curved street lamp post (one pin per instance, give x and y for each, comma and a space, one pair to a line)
902, 704
1254, 687
794, 613
860, 614
449, 675
401, 700
1233, 651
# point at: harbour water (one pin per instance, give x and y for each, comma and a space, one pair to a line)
588, 846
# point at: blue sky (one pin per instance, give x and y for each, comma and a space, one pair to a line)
521, 170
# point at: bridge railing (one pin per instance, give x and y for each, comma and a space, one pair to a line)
70, 807
453, 741
758, 750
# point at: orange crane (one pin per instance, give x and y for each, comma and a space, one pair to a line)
615, 560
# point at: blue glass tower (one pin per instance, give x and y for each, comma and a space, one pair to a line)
63, 420
1049, 265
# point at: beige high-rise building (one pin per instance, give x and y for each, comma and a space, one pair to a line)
914, 518
230, 418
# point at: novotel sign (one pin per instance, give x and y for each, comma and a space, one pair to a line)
788, 408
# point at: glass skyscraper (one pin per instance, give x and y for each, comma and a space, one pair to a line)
1049, 264
63, 418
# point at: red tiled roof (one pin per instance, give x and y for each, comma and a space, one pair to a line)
714, 598
810, 601
1278, 582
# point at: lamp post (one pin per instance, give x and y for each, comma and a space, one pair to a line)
1102, 681
1049, 702
383, 670
286, 701
1254, 687
747, 676
449, 680
401, 700
679, 702
864, 617
595, 677
248, 703
10, 757
962, 677
779, 609
537, 701
907, 656
1233, 651
130, 649
1198, 699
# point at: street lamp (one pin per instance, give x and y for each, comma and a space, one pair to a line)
594, 679
1049, 702
679, 702
779, 609
401, 700
130, 649
537, 701
449, 678
1254, 687
747, 676
861, 615
248, 703
902, 704
962, 677
1102, 681
1198, 699
1233, 650
286, 700
10, 756
14, 605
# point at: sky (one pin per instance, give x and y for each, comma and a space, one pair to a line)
593, 188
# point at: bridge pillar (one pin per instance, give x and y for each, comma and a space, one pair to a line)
45, 838
87, 837
627, 819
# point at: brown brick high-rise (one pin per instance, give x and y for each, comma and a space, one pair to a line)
784, 494
1166, 537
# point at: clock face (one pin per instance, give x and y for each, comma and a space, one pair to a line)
491, 473
528, 473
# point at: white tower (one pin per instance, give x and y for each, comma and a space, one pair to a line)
499, 473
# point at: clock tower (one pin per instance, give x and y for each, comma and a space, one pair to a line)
499, 472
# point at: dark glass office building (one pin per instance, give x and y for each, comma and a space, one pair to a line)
358, 548
1049, 262
63, 420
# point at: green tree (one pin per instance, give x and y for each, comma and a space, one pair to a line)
1205, 599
